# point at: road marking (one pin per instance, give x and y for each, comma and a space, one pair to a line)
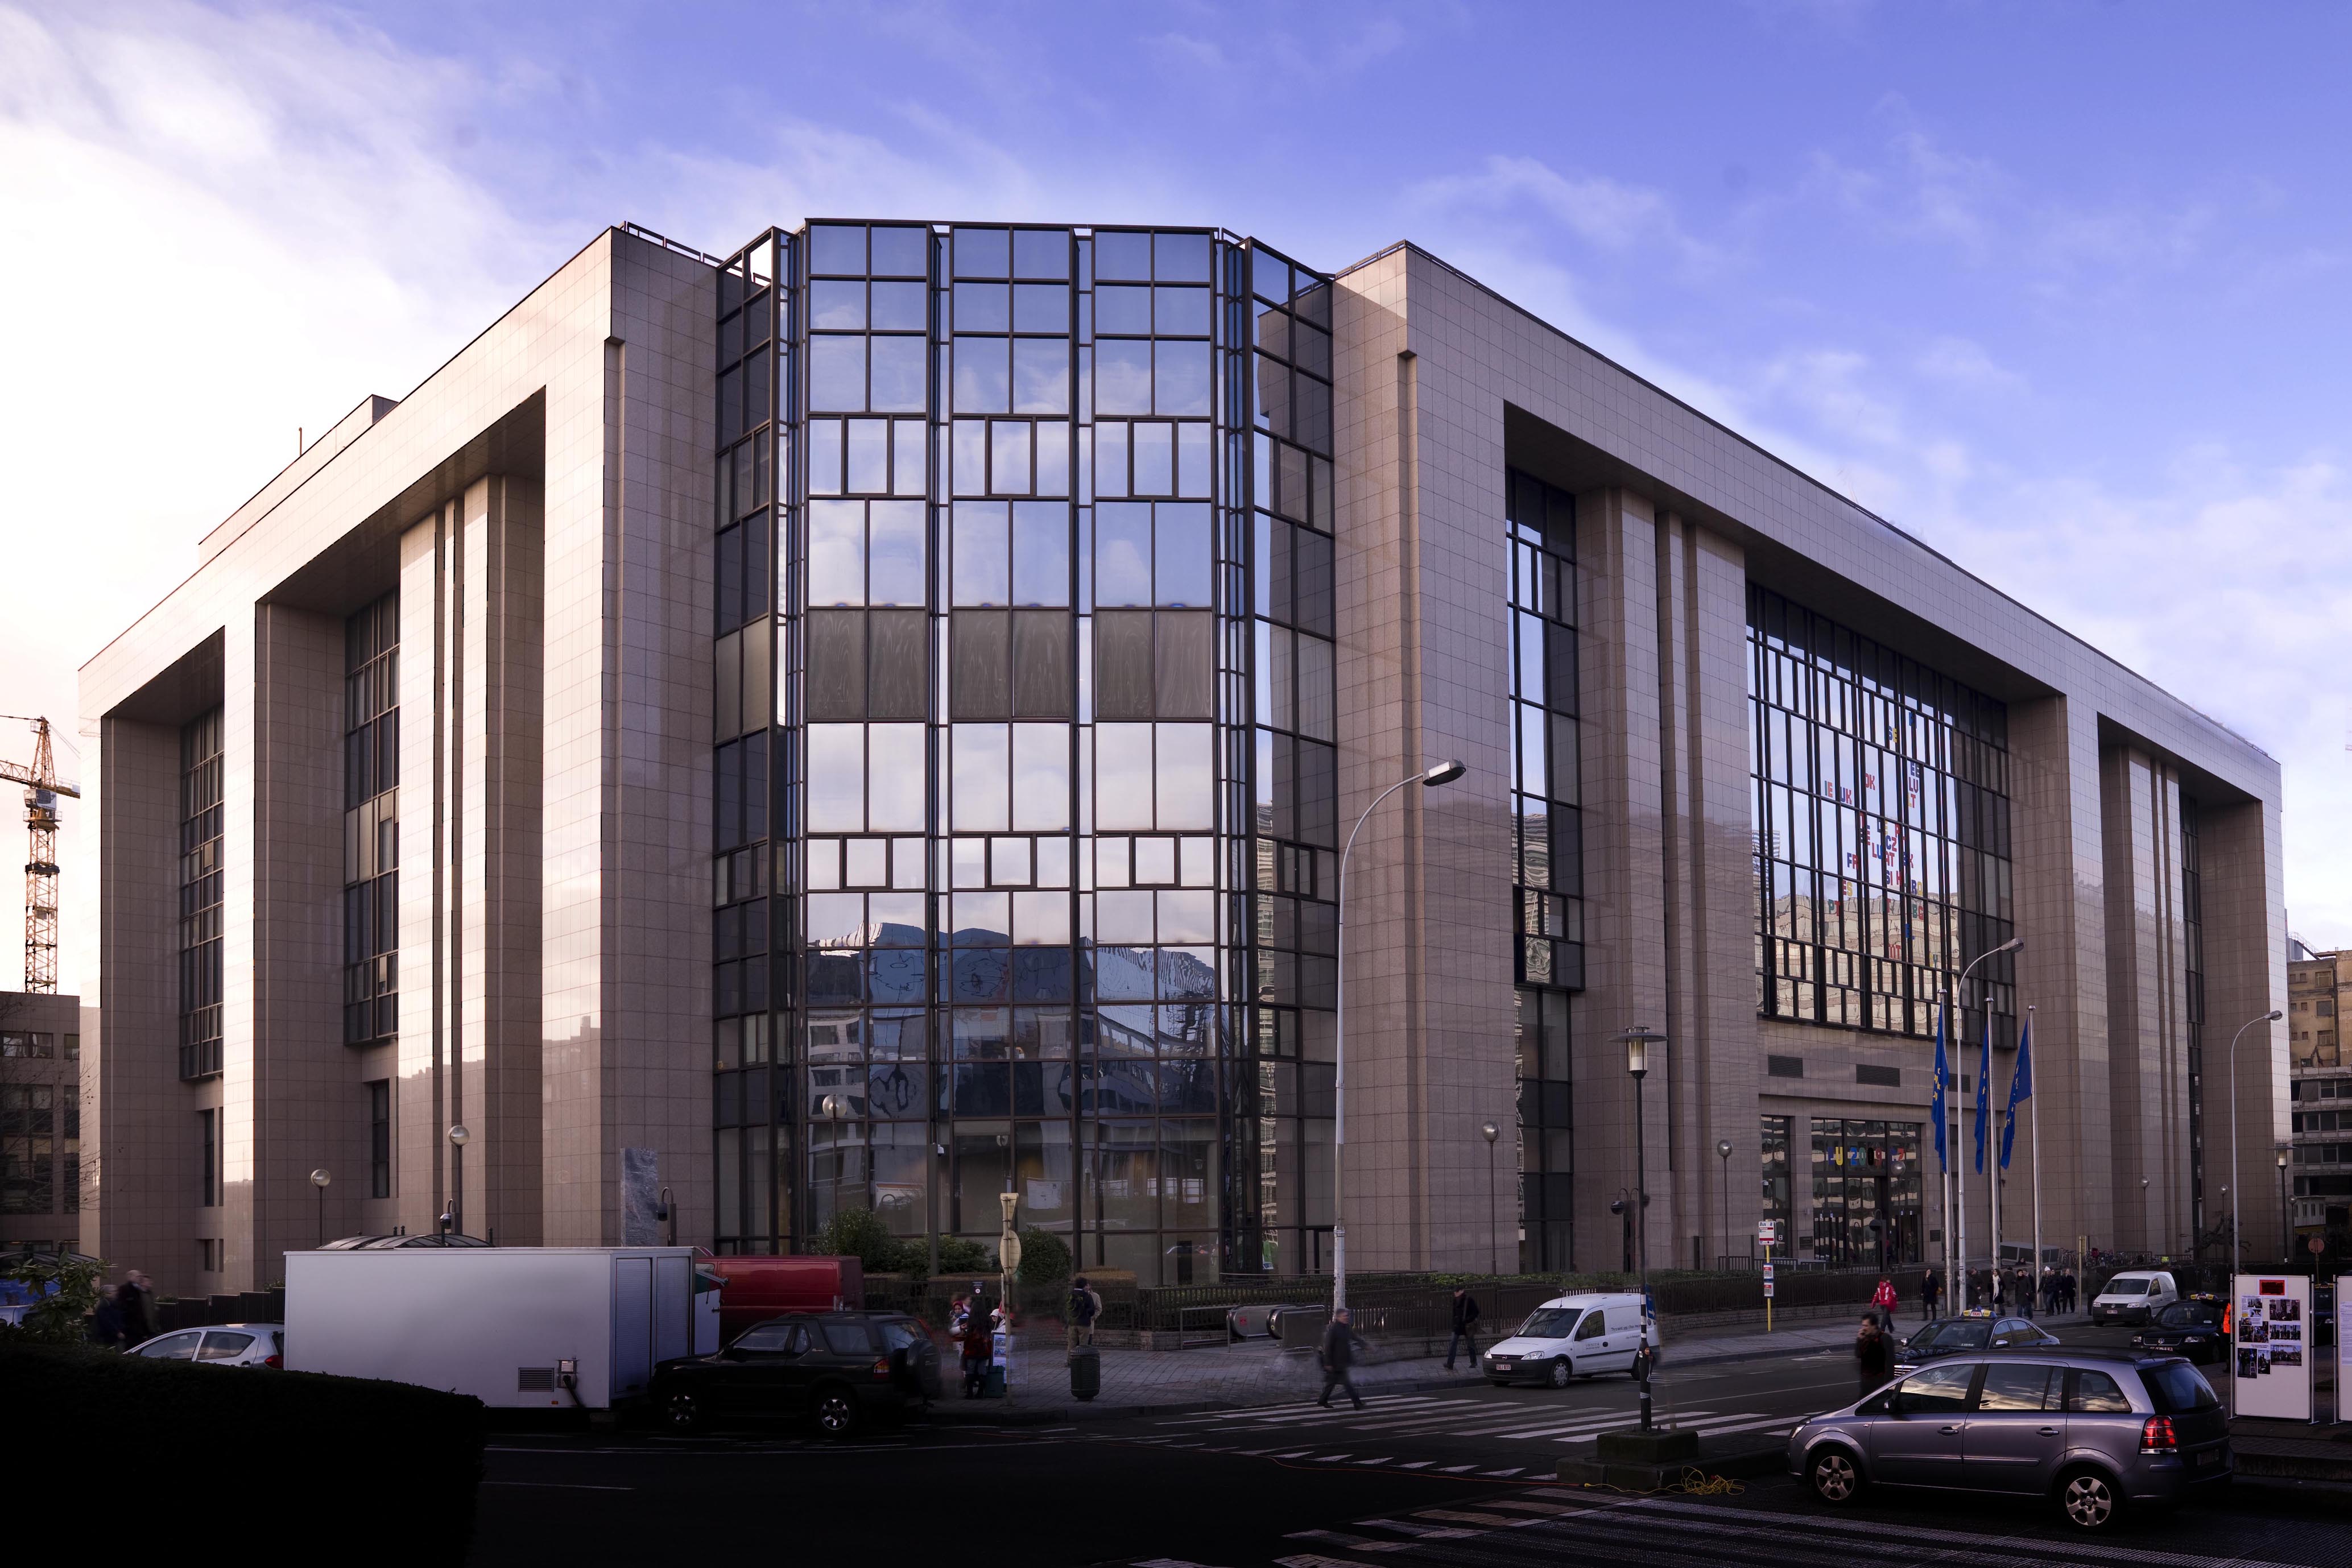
1353, 1542
1419, 1531
1497, 1475
1589, 1424
1457, 1516
1383, 1460
1786, 1423
1309, 1560
1418, 1465
1458, 1469
1326, 1458
1528, 1505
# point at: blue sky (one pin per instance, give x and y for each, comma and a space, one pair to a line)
2059, 288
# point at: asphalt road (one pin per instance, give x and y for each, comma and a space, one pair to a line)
1456, 1476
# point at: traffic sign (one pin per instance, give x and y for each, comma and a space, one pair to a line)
1768, 1231
1767, 1274
1767, 1290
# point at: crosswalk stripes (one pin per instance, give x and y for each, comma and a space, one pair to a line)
1403, 1418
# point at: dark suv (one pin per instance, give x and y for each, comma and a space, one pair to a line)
837, 1368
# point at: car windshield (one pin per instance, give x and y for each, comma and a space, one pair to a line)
1550, 1322
2126, 1288
2175, 1387
1953, 1333
2189, 1314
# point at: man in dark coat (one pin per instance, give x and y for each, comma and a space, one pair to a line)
1339, 1344
1873, 1356
1466, 1318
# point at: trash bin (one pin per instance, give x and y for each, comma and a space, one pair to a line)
992, 1385
1085, 1372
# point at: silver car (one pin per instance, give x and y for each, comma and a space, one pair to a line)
225, 1345
2096, 1432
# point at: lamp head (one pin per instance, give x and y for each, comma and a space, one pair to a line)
1723, 1147
457, 1135
1489, 1131
2274, 1016
1444, 772
322, 1176
2014, 944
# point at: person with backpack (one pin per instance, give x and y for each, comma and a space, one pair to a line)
1084, 1308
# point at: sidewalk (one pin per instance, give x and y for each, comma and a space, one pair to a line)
1216, 1378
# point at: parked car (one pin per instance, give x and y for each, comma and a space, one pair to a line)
1573, 1337
2096, 1432
836, 1368
2194, 1328
2134, 1297
223, 1344
1957, 1336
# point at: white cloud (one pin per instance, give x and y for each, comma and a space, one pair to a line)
1605, 213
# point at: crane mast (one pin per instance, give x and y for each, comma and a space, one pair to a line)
41, 792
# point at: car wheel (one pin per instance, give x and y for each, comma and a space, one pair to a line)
682, 1412
836, 1412
1835, 1478
1563, 1373
2089, 1499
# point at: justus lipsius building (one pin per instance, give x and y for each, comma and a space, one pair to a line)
874, 718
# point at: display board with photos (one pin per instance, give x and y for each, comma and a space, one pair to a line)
2274, 1345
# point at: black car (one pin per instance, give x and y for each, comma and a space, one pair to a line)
1953, 1336
2191, 1328
835, 1367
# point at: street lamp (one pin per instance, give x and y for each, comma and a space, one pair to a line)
1637, 1041
1489, 1131
1429, 777
454, 1214
2270, 1016
2014, 944
319, 1178
1723, 1153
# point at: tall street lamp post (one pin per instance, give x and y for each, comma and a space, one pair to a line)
1959, 1271
1489, 1131
319, 1178
1723, 1153
2272, 1017
1429, 778
2286, 1222
1637, 1041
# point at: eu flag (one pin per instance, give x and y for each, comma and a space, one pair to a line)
2021, 1088
1937, 1102
1984, 1092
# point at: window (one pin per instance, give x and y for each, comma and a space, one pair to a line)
208, 1131
371, 823
1548, 861
847, 1339
200, 896
2011, 1386
28, 1146
1936, 1390
2175, 1386
379, 1095
1881, 820
2095, 1393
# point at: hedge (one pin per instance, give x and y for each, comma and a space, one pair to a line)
373, 1467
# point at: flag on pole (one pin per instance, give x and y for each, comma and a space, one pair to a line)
1984, 1093
1936, 1101
2021, 1087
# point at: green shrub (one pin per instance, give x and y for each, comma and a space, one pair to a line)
860, 1233
398, 1463
58, 1315
1044, 1257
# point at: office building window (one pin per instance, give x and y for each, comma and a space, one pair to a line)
200, 897
379, 1099
27, 1148
1880, 816
1547, 860
1866, 1185
372, 823
1546, 1163
208, 1133
1775, 1196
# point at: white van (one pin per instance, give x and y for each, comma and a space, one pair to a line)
2135, 1297
1573, 1337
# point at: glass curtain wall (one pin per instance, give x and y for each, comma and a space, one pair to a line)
1547, 861
372, 822
1011, 746
1867, 1185
200, 896
1882, 833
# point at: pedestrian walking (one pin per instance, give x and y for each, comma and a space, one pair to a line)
1883, 1299
979, 1349
1466, 1321
1339, 1346
1873, 1356
134, 1301
1931, 1291
1084, 1308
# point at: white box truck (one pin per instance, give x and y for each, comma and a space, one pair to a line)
515, 1327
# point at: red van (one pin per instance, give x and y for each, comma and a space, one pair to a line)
758, 1289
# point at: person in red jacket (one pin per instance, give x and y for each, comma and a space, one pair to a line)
1883, 1299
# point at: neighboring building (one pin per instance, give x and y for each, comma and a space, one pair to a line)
2319, 987
876, 720
41, 1171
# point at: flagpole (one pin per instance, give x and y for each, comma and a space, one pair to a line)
2033, 1108
1960, 1189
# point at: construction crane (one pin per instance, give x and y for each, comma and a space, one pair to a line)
41, 792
